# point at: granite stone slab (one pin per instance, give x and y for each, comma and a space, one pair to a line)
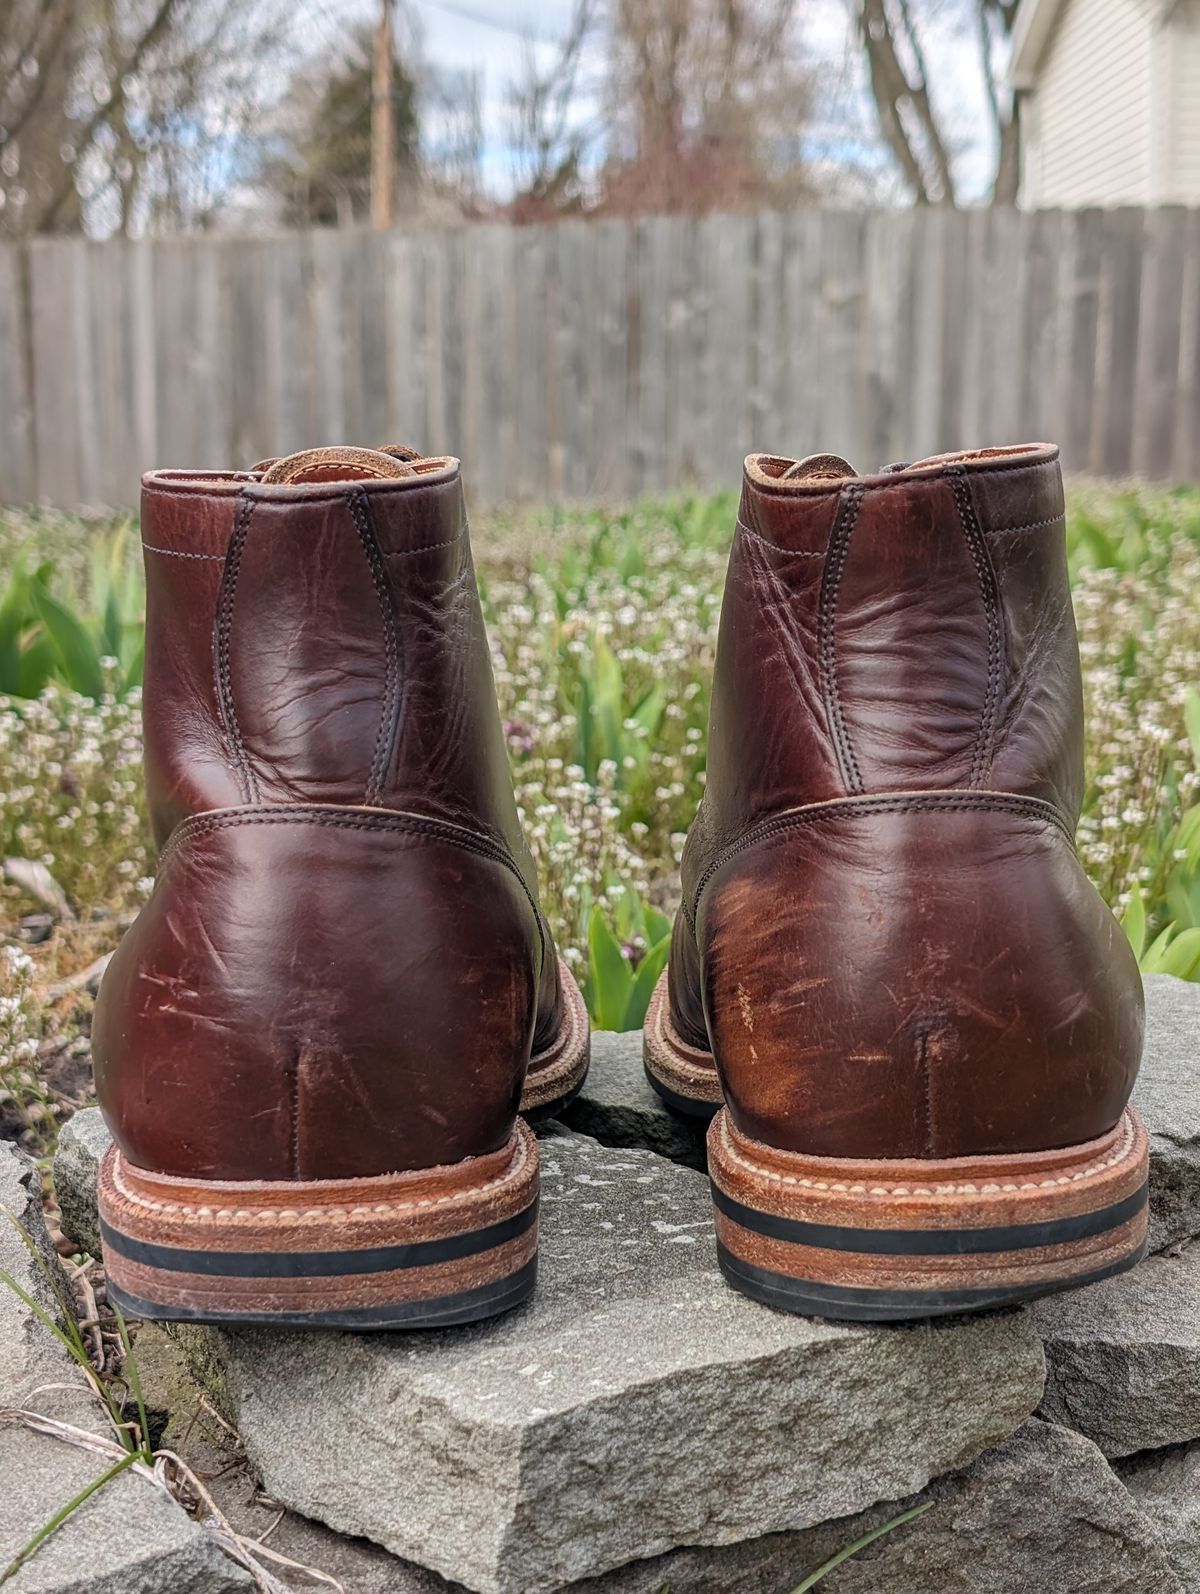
636, 1405
1123, 1356
1165, 1485
1041, 1512
618, 1107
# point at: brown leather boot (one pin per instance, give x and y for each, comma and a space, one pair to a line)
922, 1018
312, 1044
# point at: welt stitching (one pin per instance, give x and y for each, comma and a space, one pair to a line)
382, 820
180, 553
385, 738
930, 802
777, 547
221, 648
981, 760
1022, 462
835, 565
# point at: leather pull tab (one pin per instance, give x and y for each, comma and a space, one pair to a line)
819, 467
342, 464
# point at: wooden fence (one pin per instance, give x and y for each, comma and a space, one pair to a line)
606, 359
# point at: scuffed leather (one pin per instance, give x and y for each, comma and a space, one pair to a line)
342, 969
936, 982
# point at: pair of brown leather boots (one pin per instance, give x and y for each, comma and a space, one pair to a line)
314, 1045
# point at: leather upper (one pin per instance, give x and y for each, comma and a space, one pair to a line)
343, 967
884, 637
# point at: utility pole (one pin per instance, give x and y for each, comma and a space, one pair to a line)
383, 142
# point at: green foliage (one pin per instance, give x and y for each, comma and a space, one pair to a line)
44, 637
603, 630
1175, 949
627, 952
322, 163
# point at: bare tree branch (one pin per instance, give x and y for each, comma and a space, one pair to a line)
104, 114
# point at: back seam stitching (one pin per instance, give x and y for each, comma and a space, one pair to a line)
381, 819
958, 802
222, 642
835, 566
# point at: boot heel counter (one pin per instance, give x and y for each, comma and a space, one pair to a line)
307, 995
918, 976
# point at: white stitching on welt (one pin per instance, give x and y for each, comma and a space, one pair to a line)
284, 1215
932, 1187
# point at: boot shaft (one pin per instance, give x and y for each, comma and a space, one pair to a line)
319, 641
887, 944
343, 970
909, 631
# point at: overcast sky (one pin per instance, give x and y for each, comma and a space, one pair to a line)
490, 37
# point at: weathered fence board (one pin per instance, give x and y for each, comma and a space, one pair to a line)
600, 360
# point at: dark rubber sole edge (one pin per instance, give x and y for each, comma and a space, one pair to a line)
933, 1242
686, 1106
319, 1264
846, 1303
552, 1109
447, 1311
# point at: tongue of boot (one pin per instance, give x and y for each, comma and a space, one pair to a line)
818, 468
341, 464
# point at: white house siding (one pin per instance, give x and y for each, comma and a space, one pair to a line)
1089, 125
1178, 148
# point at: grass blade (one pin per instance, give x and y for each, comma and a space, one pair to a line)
860, 1544
135, 1383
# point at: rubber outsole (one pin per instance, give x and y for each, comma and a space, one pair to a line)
892, 1306
553, 1109
467, 1306
685, 1106
875, 1240
422, 1249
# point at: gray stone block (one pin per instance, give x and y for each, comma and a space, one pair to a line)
1168, 1097
1043, 1513
1123, 1356
129, 1538
637, 1404
29, 1354
1165, 1484
617, 1106
81, 1144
